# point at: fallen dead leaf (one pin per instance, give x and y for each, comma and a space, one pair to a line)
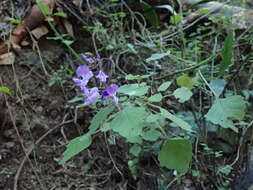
7, 58
40, 31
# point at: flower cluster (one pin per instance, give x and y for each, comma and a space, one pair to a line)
83, 76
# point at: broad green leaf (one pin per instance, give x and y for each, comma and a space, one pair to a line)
44, 8
155, 98
218, 86
182, 94
153, 118
157, 56
136, 77
135, 150
134, 139
150, 14
5, 90
151, 135
164, 86
227, 53
134, 89
100, 117
129, 122
181, 123
176, 154
75, 146
225, 110
186, 81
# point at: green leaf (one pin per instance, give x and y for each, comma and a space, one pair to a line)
60, 14
134, 139
14, 20
135, 150
44, 9
227, 53
181, 123
75, 146
129, 122
164, 86
151, 135
157, 56
182, 94
150, 14
132, 165
134, 89
226, 170
202, 11
176, 154
155, 98
153, 118
100, 117
225, 110
136, 77
186, 81
76, 99
176, 19
68, 42
5, 90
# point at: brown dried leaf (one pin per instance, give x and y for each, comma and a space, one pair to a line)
7, 58
40, 31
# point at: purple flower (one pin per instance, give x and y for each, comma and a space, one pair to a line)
97, 57
92, 95
111, 91
87, 59
90, 59
102, 76
83, 76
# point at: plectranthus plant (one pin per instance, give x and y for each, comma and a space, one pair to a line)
142, 120
134, 119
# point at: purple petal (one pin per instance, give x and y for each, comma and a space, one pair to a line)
92, 95
83, 70
87, 59
102, 76
85, 91
76, 80
84, 74
111, 91
80, 82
